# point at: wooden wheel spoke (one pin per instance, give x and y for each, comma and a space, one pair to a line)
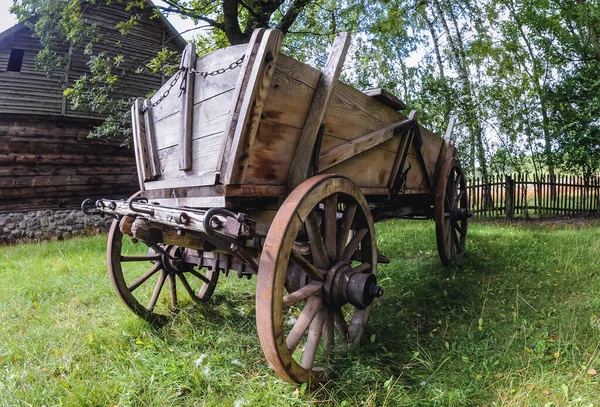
356, 326
353, 245
126, 259
317, 247
141, 280
341, 324
187, 286
459, 228
303, 293
313, 339
331, 204
173, 291
327, 334
157, 289
346, 226
459, 196
199, 276
305, 265
311, 307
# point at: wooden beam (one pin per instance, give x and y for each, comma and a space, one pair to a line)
401, 156
318, 110
151, 139
446, 149
253, 89
385, 97
188, 62
354, 147
140, 144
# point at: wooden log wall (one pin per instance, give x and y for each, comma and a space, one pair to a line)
45, 163
31, 91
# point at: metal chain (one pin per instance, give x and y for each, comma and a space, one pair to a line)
219, 71
165, 93
203, 74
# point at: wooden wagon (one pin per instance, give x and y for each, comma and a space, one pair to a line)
251, 161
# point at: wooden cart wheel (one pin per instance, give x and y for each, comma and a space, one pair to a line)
451, 212
325, 228
152, 280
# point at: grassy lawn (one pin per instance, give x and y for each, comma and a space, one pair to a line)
518, 323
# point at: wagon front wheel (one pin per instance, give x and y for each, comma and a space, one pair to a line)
155, 280
325, 229
451, 212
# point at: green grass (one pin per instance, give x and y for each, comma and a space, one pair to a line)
517, 324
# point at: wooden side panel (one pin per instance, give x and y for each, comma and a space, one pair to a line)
291, 91
353, 114
212, 103
247, 114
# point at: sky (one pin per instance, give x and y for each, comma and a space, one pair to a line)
7, 20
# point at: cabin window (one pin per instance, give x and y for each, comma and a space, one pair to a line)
16, 60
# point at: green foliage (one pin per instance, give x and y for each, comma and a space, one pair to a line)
517, 323
520, 75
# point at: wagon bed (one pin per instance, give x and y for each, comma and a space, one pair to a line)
237, 133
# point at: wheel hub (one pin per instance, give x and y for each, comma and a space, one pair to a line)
343, 285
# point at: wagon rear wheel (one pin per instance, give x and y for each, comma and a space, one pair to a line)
451, 212
324, 228
153, 280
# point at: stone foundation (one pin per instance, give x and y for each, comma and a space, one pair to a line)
49, 225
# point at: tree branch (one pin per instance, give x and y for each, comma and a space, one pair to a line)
290, 16
230, 23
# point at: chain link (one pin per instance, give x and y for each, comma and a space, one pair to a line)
219, 71
182, 87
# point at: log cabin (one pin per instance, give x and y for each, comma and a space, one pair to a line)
47, 161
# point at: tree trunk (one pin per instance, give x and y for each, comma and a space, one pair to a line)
438, 56
472, 119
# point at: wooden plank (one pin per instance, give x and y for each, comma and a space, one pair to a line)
151, 140
387, 98
318, 110
253, 102
240, 90
185, 142
140, 143
203, 172
359, 145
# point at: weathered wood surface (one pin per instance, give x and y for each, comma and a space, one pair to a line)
386, 98
351, 115
187, 101
44, 164
318, 110
247, 126
212, 103
31, 91
251, 104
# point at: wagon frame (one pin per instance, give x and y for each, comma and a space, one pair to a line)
266, 166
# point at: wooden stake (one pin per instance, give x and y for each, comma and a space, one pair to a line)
318, 110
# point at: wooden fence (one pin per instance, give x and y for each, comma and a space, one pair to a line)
530, 195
